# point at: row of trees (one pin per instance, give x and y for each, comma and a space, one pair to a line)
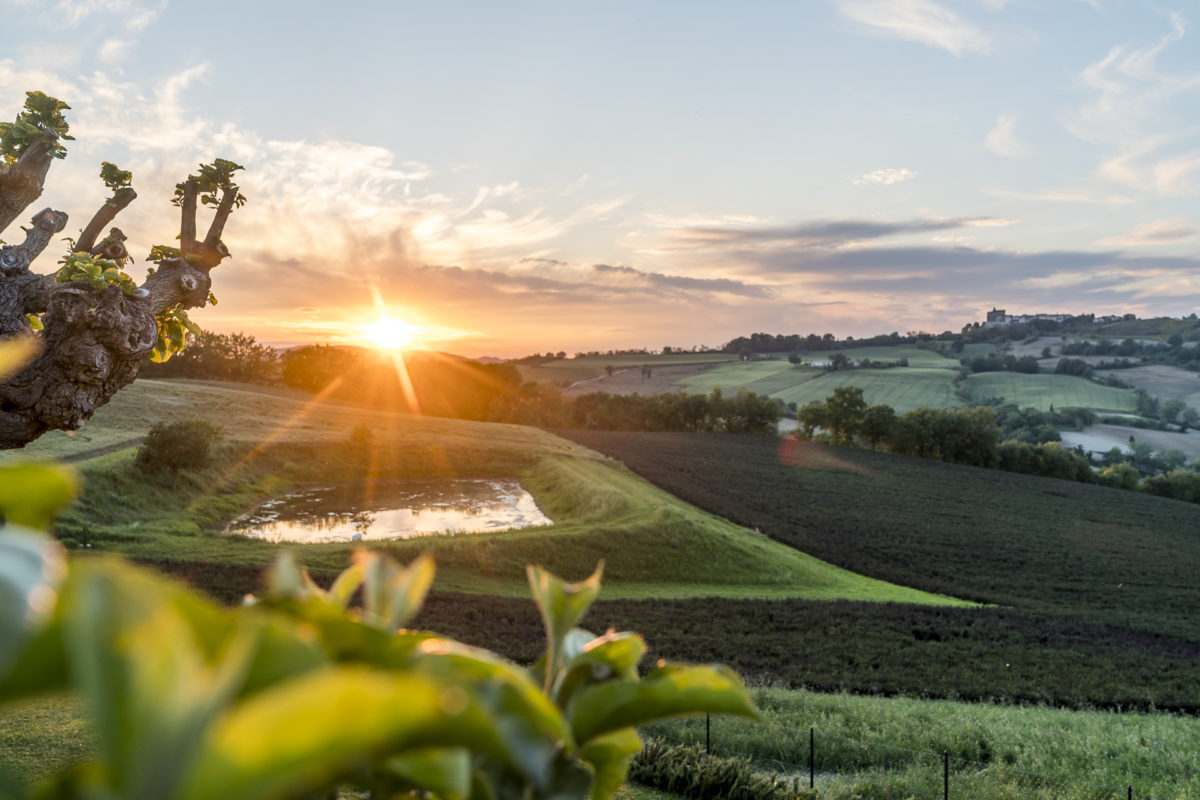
1007, 438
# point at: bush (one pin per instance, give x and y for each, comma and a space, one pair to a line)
687, 771
177, 445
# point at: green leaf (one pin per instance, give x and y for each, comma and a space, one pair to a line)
155, 665
347, 584
609, 756
15, 353
614, 655
562, 606
668, 691
392, 595
446, 772
301, 735
31, 568
31, 494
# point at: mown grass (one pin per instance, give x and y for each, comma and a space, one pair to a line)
652, 543
891, 747
1043, 391
902, 388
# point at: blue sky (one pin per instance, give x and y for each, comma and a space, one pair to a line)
529, 176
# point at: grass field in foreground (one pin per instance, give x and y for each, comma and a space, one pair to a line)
891, 747
652, 543
1043, 391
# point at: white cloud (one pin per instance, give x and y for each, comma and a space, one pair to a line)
1132, 114
921, 21
1159, 232
884, 177
1002, 139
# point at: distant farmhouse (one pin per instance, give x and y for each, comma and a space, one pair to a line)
998, 317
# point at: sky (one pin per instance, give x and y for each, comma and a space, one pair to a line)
531, 176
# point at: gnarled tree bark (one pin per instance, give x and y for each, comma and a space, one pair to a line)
92, 341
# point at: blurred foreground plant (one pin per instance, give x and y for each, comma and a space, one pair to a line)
295, 693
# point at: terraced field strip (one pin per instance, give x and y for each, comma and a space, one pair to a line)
917, 357
1043, 391
739, 373
902, 388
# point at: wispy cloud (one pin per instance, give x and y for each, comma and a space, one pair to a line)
1130, 114
921, 21
826, 234
657, 280
1162, 231
1002, 139
884, 177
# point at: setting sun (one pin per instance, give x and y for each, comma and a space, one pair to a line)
389, 333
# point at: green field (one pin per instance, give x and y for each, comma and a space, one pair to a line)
1162, 381
891, 747
653, 544
917, 356
902, 388
927, 381
1043, 391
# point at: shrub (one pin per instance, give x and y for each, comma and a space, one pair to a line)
687, 771
177, 445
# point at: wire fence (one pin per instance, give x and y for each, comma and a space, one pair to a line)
839, 766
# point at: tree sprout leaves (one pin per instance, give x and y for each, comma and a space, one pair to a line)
562, 606
392, 595
668, 691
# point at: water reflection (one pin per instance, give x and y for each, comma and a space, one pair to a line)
399, 510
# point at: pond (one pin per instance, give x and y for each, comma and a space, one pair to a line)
392, 510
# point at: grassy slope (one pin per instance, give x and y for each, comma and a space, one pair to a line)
652, 543
1162, 381
1043, 391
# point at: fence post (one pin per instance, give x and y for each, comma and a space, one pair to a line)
1130, 793
812, 757
946, 774
708, 734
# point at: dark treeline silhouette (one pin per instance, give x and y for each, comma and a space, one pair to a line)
219, 356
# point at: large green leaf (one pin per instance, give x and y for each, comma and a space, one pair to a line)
444, 771
665, 692
31, 494
31, 568
152, 680
519, 725
609, 756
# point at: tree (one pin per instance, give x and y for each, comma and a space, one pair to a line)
843, 413
91, 323
876, 424
176, 446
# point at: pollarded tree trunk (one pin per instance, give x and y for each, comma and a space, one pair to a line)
93, 340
